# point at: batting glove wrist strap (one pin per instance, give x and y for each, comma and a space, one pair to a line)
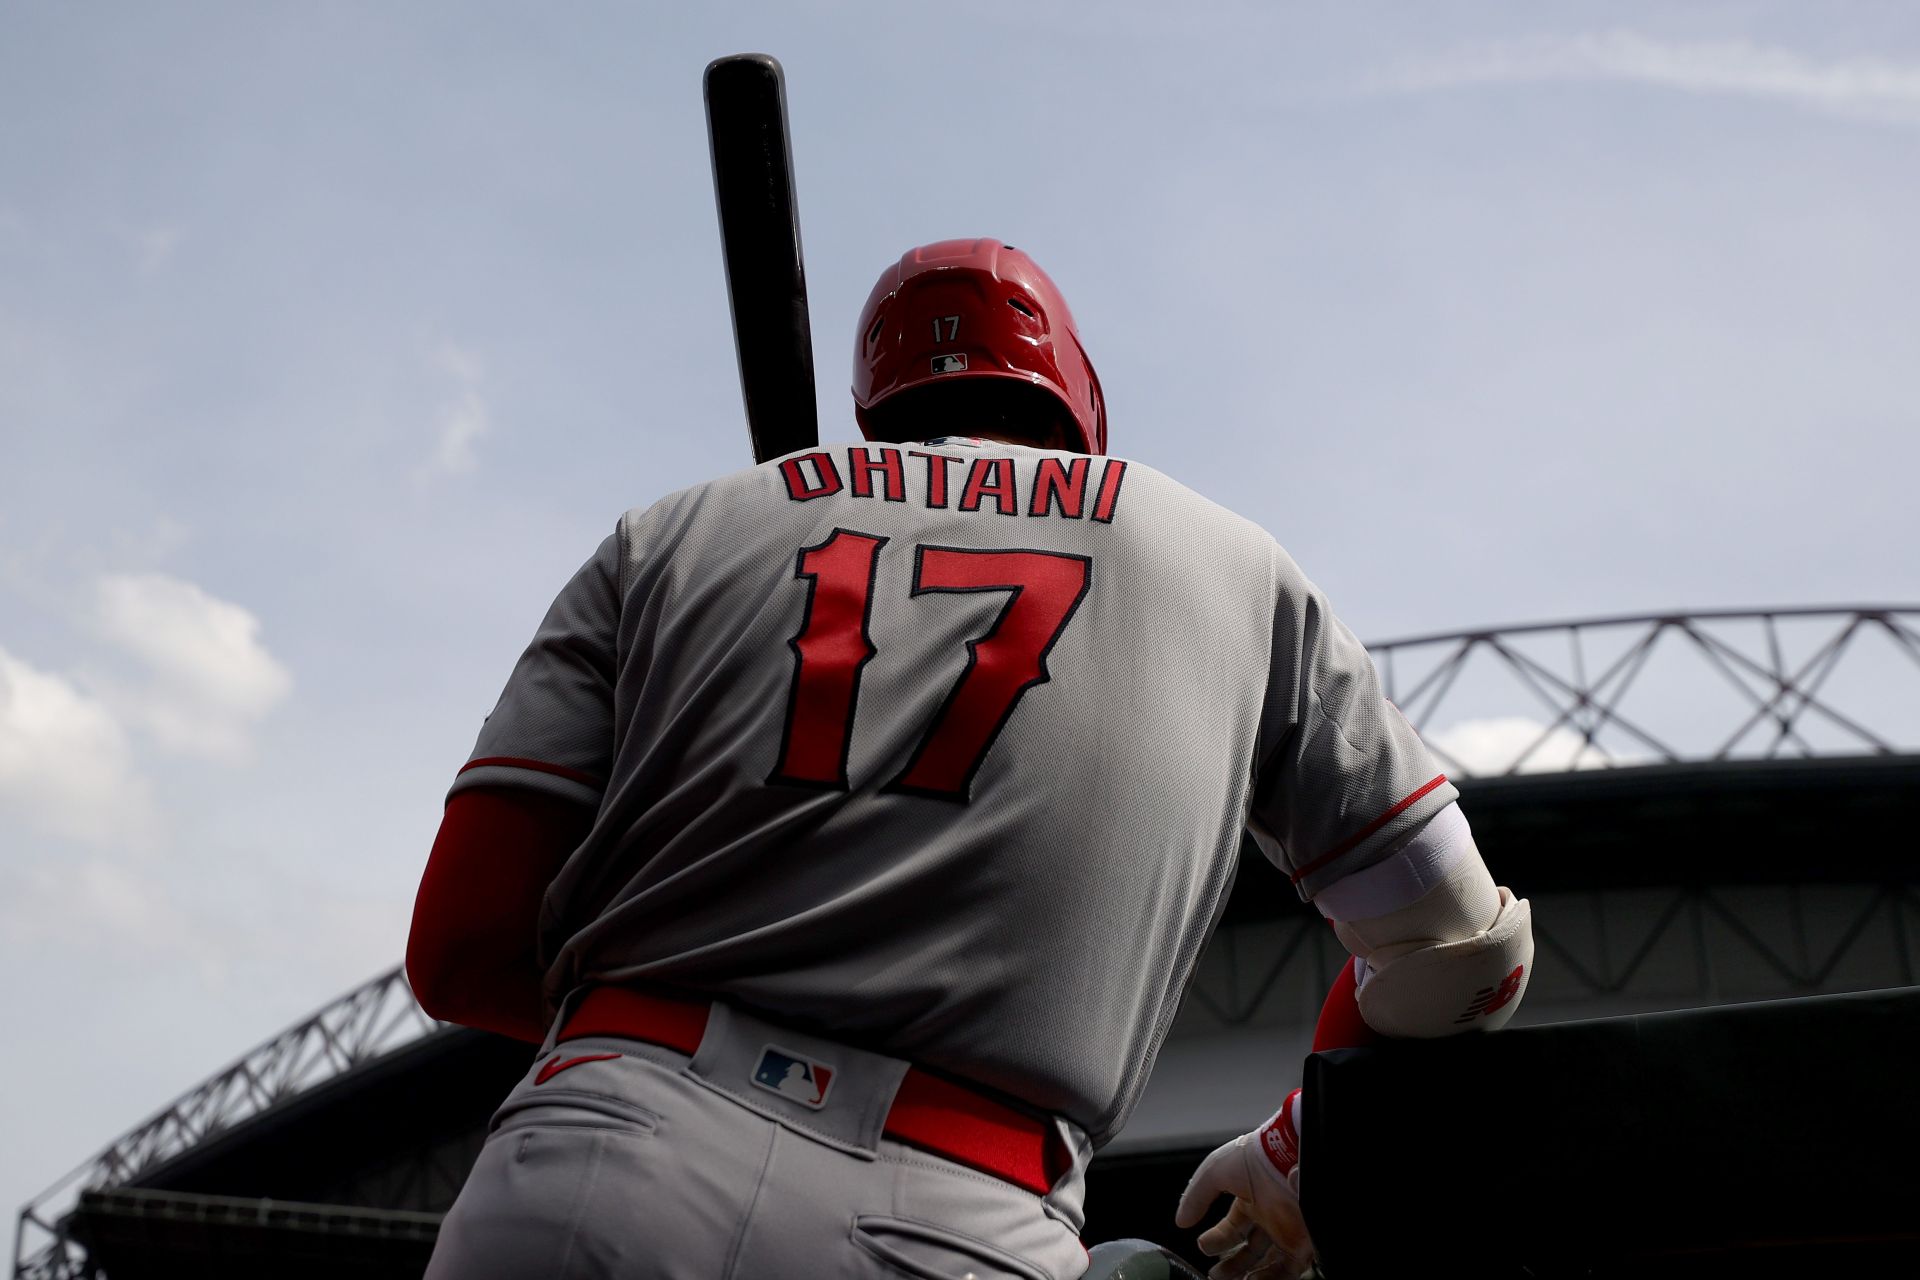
1280, 1138
1263, 1233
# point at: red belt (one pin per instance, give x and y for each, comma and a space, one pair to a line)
929, 1112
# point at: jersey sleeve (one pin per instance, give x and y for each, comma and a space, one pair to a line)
1339, 773
552, 729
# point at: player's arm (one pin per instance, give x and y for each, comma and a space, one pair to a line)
471, 954
523, 804
1438, 950
1438, 947
1353, 807
1350, 804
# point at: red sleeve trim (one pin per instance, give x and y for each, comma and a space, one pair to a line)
538, 766
1351, 841
1340, 1025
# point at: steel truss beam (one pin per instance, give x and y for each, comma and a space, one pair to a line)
362, 1025
1649, 948
1740, 650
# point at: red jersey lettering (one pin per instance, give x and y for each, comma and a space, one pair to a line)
991, 477
862, 466
799, 488
1064, 487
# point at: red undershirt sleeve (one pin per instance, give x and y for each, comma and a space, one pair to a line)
471, 953
1340, 1025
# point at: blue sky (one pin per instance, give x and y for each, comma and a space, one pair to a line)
332, 338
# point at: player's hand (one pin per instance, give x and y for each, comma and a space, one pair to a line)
1263, 1236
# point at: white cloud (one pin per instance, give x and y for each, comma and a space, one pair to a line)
154, 246
1870, 88
463, 419
53, 897
65, 763
209, 679
120, 912
459, 363
159, 540
461, 423
1491, 747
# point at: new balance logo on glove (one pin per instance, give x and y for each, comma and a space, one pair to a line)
1489, 999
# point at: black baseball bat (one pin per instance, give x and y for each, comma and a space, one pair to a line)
760, 240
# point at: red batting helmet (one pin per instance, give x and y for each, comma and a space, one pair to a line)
973, 309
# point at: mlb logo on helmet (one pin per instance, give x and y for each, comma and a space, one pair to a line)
792, 1076
950, 363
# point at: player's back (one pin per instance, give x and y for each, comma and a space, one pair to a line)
941, 749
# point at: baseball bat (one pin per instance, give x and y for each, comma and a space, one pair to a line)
760, 241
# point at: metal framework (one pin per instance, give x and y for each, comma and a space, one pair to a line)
362, 1025
1638, 689
1578, 681
1606, 950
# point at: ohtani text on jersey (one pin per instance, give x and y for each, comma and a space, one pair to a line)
1062, 487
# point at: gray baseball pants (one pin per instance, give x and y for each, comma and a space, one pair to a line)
639, 1162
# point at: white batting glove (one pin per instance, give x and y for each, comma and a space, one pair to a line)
1263, 1236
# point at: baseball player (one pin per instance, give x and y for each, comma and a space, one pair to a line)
848, 833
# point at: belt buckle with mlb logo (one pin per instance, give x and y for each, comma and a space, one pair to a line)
786, 1073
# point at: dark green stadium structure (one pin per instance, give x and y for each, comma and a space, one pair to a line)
1707, 810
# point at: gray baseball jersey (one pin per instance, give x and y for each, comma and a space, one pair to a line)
945, 750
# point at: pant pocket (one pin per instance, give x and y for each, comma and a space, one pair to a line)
593, 1090
574, 1111
520, 1212
926, 1251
